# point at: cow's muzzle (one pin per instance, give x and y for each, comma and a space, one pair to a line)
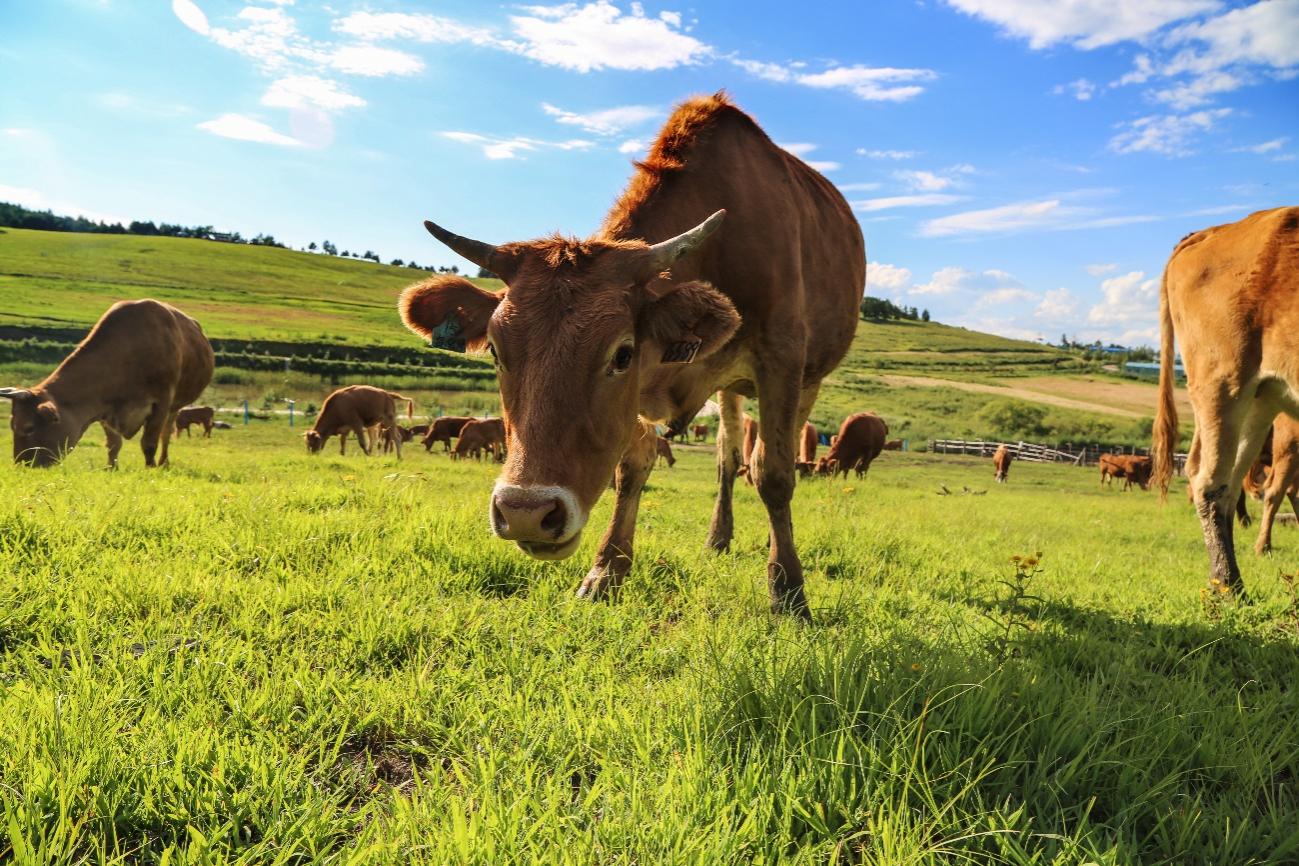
545, 522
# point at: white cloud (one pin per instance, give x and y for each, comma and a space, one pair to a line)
607, 121
633, 145
494, 147
37, 200
887, 277
372, 26
1199, 90
1101, 269
865, 186
952, 279
1081, 88
191, 16
1005, 297
886, 154
309, 91
1264, 147
887, 202
243, 128
803, 149
1057, 305
929, 181
1169, 134
268, 37
1019, 215
373, 61
885, 84
823, 165
1085, 24
598, 35
799, 149
1129, 300
1265, 33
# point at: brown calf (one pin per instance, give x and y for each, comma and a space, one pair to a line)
443, 430
479, 435
664, 452
203, 415
860, 440
354, 409
1001, 462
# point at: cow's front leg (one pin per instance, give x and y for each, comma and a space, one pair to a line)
730, 435
154, 431
779, 395
613, 559
113, 440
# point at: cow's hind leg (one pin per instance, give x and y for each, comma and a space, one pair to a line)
166, 438
155, 430
613, 559
359, 430
113, 440
730, 435
1285, 471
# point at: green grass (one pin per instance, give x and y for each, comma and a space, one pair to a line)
258, 656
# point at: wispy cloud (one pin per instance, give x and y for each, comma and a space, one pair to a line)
887, 202
1043, 215
1081, 89
599, 35
1168, 134
309, 91
1263, 147
494, 147
803, 149
1084, 24
242, 128
886, 154
1101, 269
605, 121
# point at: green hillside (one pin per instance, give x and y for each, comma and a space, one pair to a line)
54, 285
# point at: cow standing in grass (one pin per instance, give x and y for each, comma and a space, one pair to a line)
664, 451
1001, 463
860, 440
204, 416
650, 317
443, 430
479, 435
354, 409
1280, 481
1230, 294
137, 367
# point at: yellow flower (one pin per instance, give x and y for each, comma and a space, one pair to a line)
1213, 581
1016, 558
916, 666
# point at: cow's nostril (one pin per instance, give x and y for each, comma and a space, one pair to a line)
498, 519
556, 520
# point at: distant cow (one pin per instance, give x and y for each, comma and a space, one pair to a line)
1232, 294
419, 430
807, 443
1001, 461
395, 435
354, 409
860, 440
1281, 480
750, 443
479, 435
701, 432
141, 363
893, 445
443, 430
202, 415
1132, 468
664, 450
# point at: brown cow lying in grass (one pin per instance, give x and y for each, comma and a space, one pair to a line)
443, 430
202, 415
479, 435
354, 409
137, 367
860, 440
1001, 462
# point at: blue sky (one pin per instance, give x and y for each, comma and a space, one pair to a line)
1019, 167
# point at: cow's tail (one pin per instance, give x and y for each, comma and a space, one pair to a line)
1165, 431
410, 404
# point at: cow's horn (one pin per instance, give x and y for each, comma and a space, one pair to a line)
15, 393
477, 252
664, 253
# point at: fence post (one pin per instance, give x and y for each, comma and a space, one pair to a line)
245, 413
291, 403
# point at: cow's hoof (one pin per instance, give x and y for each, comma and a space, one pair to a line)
1263, 550
601, 582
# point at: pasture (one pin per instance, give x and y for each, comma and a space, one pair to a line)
258, 656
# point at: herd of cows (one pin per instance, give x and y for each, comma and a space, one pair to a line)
595, 341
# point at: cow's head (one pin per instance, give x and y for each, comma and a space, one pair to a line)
314, 441
42, 433
577, 330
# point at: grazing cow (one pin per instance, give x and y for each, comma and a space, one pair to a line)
203, 415
394, 436
893, 445
479, 435
807, 444
354, 409
860, 440
419, 430
1132, 468
1231, 296
589, 335
701, 432
137, 367
443, 430
664, 452
748, 447
1001, 461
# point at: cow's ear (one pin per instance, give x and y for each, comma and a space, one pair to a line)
449, 307
48, 412
692, 321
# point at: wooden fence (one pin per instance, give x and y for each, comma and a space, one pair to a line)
1034, 453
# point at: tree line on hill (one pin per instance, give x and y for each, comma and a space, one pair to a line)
883, 310
19, 217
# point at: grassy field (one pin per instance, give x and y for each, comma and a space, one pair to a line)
65, 280
258, 656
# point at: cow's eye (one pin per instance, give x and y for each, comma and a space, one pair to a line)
622, 359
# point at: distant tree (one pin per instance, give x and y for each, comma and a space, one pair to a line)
484, 274
312, 246
142, 228
397, 263
346, 254
329, 248
454, 269
412, 264
924, 315
370, 254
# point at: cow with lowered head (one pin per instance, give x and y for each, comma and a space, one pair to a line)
141, 363
651, 316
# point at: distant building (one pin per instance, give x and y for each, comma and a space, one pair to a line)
1150, 369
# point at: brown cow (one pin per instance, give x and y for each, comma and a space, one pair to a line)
204, 415
443, 430
807, 443
353, 409
479, 435
1231, 293
589, 335
419, 430
860, 440
1001, 462
1132, 468
664, 452
394, 436
701, 432
137, 367
893, 445
1282, 480
747, 449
